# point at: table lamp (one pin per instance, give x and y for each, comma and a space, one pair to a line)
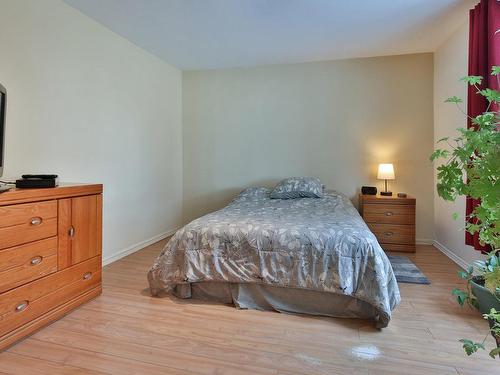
385, 172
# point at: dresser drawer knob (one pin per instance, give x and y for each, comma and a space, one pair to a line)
36, 221
87, 276
389, 233
21, 306
71, 231
36, 260
388, 213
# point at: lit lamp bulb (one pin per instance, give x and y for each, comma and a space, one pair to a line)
386, 172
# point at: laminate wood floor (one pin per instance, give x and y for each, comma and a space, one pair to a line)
125, 331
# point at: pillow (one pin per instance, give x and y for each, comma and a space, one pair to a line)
298, 187
252, 194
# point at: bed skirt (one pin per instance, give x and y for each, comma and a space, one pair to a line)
285, 300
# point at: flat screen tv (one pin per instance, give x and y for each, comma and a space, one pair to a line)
3, 109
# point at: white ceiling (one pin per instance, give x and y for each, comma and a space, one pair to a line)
210, 34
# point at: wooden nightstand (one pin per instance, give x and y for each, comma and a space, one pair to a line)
391, 219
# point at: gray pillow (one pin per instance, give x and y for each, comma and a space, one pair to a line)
298, 187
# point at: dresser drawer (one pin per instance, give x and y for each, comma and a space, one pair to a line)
23, 223
25, 303
21, 264
393, 233
390, 214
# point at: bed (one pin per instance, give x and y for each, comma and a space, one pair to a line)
307, 255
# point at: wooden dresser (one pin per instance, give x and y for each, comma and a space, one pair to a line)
391, 219
50, 255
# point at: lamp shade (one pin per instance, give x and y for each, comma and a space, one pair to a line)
385, 172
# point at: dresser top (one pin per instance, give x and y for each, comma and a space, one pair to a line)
381, 199
64, 190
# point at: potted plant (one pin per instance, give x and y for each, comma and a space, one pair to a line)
483, 293
472, 168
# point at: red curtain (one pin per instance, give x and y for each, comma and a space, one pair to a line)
484, 52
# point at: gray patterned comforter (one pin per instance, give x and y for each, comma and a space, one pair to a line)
319, 244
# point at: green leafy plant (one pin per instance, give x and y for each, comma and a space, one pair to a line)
488, 270
466, 297
471, 347
472, 168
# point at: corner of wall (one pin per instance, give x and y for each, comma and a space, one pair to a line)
450, 64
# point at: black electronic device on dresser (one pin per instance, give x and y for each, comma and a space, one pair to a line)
369, 190
37, 181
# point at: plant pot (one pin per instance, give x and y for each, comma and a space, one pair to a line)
486, 300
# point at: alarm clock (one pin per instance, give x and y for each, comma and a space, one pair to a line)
369, 190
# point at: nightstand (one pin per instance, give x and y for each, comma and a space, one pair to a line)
391, 219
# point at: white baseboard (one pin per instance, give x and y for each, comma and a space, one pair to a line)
138, 246
450, 254
424, 241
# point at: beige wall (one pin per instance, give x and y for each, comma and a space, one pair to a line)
336, 120
92, 107
450, 64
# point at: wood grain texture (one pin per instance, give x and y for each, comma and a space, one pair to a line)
19, 333
85, 219
389, 214
84, 215
39, 280
64, 240
24, 233
47, 293
126, 331
23, 213
27, 222
16, 196
99, 224
25, 263
393, 233
393, 199
391, 219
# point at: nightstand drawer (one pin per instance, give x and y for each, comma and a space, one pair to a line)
389, 214
393, 233
391, 219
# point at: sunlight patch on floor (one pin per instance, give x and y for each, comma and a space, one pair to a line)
366, 352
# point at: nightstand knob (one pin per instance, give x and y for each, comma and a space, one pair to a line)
388, 213
389, 233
